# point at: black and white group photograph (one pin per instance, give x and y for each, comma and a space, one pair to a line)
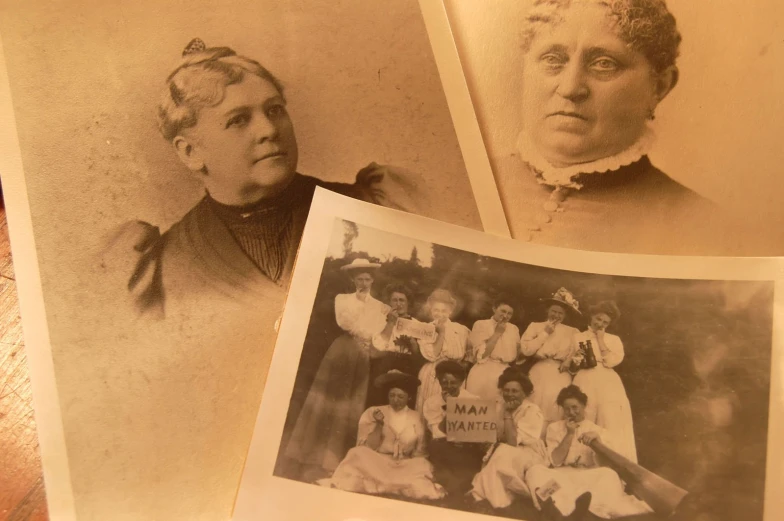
448, 378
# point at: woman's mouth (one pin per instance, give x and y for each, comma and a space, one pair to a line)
270, 155
569, 114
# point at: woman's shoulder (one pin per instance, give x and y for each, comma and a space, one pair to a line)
385, 185
529, 407
459, 328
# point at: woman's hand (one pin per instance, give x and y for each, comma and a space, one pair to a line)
571, 426
392, 317
378, 416
588, 437
500, 328
599, 334
440, 326
512, 405
565, 366
550, 328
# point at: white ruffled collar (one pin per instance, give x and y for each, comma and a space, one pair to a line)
565, 177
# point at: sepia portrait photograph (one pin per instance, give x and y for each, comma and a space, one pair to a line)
632, 126
169, 152
442, 377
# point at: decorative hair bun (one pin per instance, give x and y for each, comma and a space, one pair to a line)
194, 46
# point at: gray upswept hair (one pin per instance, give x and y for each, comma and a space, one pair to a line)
646, 25
200, 81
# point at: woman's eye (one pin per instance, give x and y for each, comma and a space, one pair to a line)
276, 110
238, 120
605, 65
552, 61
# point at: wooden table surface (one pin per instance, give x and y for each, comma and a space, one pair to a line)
22, 495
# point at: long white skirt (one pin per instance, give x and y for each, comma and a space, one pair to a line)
369, 472
503, 476
482, 380
608, 498
548, 382
608, 407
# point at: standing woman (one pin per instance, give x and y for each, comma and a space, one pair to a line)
549, 343
327, 423
608, 406
496, 344
451, 343
389, 348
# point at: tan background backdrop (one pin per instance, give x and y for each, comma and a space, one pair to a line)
719, 130
157, 418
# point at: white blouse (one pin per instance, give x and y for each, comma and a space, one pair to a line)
505, 349
580, 454
556, 345
528, 420
403, 434
360, 318
456, 343
609, 357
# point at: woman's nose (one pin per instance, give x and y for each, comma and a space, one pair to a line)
264, 128
572, 83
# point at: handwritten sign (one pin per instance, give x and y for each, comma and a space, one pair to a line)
471, 420
416, 329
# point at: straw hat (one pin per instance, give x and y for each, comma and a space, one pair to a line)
360, 264
565, 298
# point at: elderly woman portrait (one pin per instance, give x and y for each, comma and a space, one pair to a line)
593, 75
225, 116
390, 454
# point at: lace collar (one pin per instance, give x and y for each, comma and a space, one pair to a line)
566, 177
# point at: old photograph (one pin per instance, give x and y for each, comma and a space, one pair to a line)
631, 126
439, 376
169, 153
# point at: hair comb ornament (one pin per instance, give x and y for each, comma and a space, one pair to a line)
194, 46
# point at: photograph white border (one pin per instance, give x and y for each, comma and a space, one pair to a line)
262, 493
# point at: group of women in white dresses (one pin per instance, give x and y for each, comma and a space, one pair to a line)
341, 442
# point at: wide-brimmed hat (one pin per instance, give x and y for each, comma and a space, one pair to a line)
565, 298
360, 264
398, 379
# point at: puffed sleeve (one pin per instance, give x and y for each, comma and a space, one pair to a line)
366, 426
533, 339
132, 258
529, 423
392, 187
481, 331
433, 414
556, 432
347, 312
613, 355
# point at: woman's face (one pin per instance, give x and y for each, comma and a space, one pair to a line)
440, 311
399, 303
513, 391
556, 314
502, 313
363, 282
573, 410
586, 95
246, 143
450, 384
398, 398
600, 321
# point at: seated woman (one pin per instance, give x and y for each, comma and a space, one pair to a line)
389, 349
496, 344
454, 463
519, 443
451, 343
389, 456
582, 484
608, 406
